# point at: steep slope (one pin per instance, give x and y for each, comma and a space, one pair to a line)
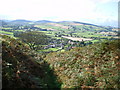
93, 66
24, 68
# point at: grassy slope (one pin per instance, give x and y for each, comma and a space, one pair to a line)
24, 68
80, 30
94, 66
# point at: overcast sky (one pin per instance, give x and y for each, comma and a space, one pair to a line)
90, 11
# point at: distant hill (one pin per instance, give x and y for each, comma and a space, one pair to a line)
21, 20
78, 23
61, 25
86, 23
2, 22
44, 21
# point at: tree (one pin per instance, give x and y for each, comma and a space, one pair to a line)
71, 34
34, 39
17, 33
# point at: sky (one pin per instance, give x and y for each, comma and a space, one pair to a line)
101, 12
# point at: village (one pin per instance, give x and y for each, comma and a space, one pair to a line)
67, 43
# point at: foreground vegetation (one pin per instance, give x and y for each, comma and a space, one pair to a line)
24, 68
93, 66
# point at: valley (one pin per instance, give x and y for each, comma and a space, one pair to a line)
63, 35
67, 54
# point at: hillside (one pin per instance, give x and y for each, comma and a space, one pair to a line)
23, 67
74, 55
93, 66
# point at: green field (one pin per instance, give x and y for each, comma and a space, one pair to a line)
4, 32
50, 49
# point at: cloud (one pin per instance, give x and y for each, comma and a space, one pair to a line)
77, 10
44, 8
104, 1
